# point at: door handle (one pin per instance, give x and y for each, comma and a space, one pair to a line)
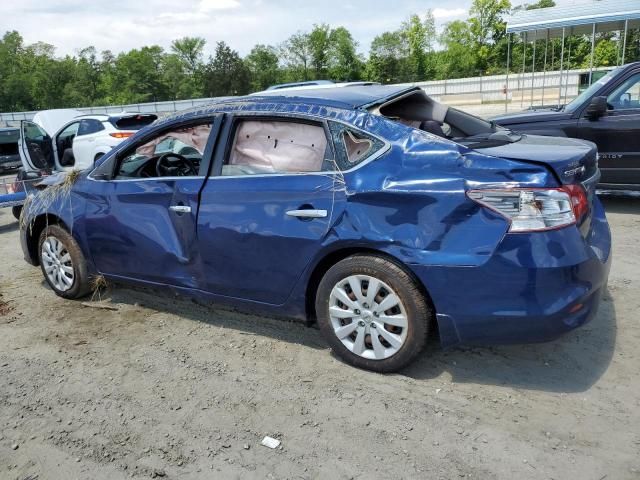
307, 213
180, 208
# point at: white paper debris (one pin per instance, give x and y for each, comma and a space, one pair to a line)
270, 442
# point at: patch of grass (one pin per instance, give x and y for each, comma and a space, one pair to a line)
41, 201
99, 284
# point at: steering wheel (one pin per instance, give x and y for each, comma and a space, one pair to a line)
175, 165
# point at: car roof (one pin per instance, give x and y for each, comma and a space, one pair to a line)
345, 98
350, 97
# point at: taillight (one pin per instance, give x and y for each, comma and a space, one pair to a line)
579, 200
121, 134
535, 209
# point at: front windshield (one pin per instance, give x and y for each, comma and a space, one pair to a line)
589, 92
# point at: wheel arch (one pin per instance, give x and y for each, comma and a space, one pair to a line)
331, 258
34, 230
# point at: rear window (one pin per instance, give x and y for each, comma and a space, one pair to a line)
352, 146
132, 122
9, 136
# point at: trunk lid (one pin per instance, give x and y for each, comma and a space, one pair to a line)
573, 161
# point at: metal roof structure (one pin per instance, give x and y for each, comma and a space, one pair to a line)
584, 18
576, 19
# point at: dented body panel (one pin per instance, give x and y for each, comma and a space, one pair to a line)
237, 245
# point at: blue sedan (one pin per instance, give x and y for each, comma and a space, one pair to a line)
377, 211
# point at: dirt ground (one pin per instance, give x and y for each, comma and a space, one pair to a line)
162, 387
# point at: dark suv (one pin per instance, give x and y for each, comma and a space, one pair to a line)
608, 114
9, 156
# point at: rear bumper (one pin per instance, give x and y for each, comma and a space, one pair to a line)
9, 162
534, 288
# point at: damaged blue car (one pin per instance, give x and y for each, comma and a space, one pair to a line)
377, 211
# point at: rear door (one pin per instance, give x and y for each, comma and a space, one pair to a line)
84, 144
36, 148
266, 210
617, 134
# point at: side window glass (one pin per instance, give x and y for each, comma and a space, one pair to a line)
71, 130
175, 153
89, 126
627, 95
270, 146
352, 146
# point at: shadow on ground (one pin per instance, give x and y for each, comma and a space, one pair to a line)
9, 227
284, 329
572, 363
621, 204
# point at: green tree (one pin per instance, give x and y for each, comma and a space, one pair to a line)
387, 58
226, 73
344, 64
263, 63
488, 28
189, 51
418, 36
297, 54
320, 49
459, 58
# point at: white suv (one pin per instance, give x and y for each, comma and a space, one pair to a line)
60, 140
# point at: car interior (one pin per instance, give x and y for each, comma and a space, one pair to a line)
626, 96
177, 153
417, 110
64, 144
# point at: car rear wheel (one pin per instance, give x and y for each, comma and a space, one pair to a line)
372, 313
62, 262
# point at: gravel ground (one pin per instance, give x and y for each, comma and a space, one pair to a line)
162, 387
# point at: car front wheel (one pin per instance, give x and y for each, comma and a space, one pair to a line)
372, 313
62, 262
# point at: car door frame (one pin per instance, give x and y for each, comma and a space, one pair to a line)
56, 154
25, 155
225, 142
106, 173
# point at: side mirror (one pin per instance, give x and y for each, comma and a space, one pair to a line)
597, 108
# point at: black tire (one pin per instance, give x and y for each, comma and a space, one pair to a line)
17, 210
418, 314
80, 286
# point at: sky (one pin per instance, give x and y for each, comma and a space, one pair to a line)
120, 25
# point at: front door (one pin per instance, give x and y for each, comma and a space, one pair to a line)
36, 148
141, 223
617, 134
266, 213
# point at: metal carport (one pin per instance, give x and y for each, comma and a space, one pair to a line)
576, 19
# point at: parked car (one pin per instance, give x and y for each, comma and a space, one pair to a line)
315, 84
337, 205
608, 114
58, 140
9, 156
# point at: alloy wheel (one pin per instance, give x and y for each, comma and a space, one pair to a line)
368, 317
57, 264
